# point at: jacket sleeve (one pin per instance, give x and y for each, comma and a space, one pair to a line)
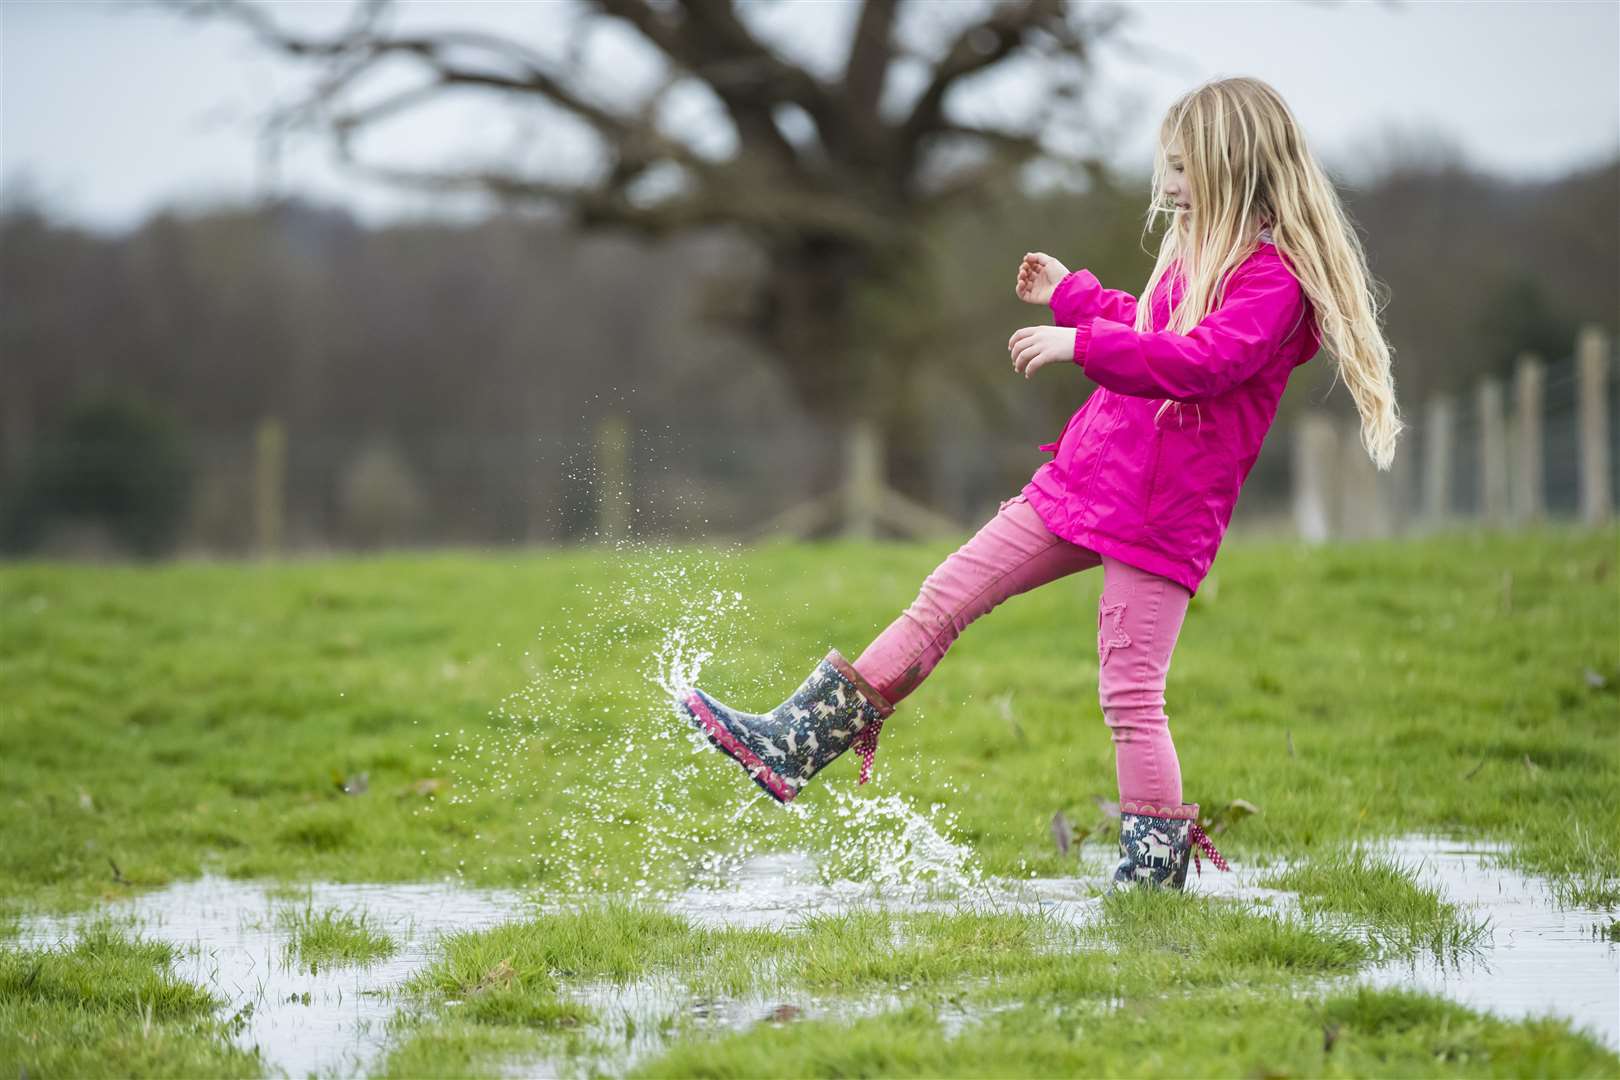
1263, 306
1080, 295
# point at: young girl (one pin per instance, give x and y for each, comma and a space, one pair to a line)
1258, 269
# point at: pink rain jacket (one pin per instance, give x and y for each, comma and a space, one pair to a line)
1158, 495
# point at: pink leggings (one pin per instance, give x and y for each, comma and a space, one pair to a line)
1139, 617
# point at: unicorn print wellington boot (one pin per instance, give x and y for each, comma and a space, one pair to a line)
1155, 843
833, 710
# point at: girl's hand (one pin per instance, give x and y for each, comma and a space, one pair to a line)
1038, 275
1034, 347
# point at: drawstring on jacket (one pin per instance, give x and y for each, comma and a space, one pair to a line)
1170, 401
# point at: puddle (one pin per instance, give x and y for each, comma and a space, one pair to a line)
334, 1020
230, 942
777, 891
636, 1020
1534, 960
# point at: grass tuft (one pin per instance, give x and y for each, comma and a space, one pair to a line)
108, 1004
1400, 917
1582, 862
319, 938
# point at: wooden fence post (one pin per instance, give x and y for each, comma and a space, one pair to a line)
863, 491
1438, 430
1315, 446
1493, 481
612, 478
1592, 405
1529, 497
269, 485
1363, 493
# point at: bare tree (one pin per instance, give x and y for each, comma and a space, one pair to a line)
829, 177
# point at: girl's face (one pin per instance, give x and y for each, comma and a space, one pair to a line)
1176, 185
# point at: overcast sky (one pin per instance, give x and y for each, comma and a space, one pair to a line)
112, 109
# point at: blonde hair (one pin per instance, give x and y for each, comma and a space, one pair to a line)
1247, 165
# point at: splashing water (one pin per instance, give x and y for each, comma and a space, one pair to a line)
621, 793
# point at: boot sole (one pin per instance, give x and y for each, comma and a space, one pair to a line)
759, 772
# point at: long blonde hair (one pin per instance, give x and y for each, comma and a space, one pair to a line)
1247, 166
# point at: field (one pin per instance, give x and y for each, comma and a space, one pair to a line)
499, 721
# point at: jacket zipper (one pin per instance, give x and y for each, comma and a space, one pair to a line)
1153, 475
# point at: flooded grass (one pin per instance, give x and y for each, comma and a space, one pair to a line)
1536, 957
1401, 917
1577, 857
504, 984
230, 943
107, 1003
653, 981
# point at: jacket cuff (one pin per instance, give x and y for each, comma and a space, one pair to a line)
1064, 303
1082, 340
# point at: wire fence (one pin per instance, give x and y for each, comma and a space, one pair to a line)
281, 489
1540, 446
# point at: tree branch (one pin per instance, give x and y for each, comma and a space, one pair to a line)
870, 52
712, 43
977, 47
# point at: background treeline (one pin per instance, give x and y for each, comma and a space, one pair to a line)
448, 384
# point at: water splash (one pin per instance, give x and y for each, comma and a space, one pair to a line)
629, 796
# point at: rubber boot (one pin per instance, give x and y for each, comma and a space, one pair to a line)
835, 709
1155, 843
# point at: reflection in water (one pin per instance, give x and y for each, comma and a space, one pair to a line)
333, 1019
1536, 959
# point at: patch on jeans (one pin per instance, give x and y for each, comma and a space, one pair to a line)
908, 682
1107, 642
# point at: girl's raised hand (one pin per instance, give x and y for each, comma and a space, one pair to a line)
1038, 275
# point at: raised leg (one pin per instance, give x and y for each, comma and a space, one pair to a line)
1012, 553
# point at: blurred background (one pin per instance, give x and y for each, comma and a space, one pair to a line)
297, 277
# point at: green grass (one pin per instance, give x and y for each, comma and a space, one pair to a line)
611, 940
209, 717
453, 1048
107, 1004
328, 936
1361, 1033
1400, 916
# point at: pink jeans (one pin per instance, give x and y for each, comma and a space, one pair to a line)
1139, 617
